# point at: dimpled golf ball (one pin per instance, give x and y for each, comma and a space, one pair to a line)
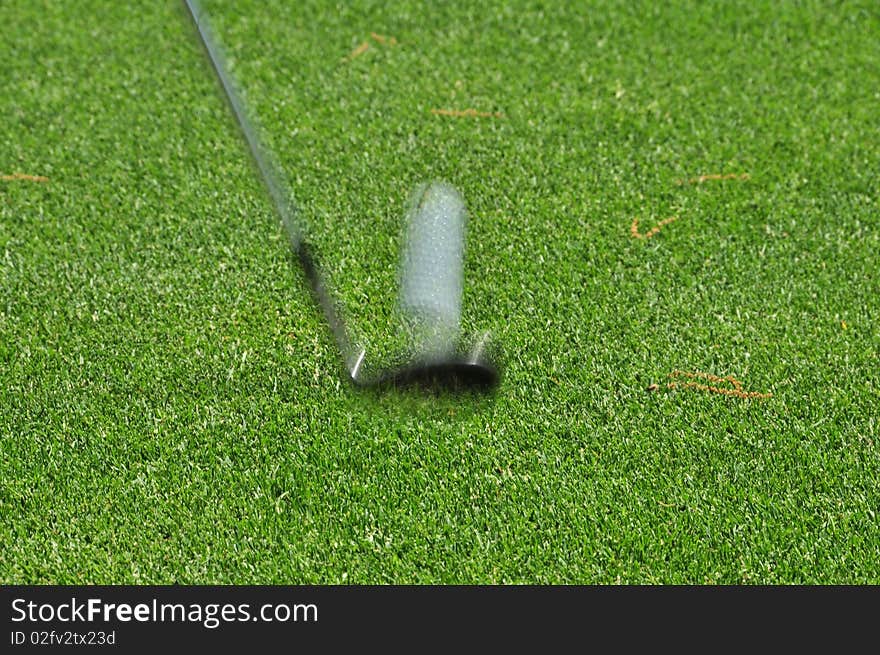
431, 270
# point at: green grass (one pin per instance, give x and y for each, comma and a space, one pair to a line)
171, 407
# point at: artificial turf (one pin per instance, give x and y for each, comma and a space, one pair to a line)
171, 404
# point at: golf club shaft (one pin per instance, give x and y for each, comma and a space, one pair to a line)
279, 193
272, 179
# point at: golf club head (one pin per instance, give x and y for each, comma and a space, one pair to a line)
436, 358
473, 369
429, 305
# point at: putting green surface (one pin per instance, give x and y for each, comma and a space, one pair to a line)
674, 239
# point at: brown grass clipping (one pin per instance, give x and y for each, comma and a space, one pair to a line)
357, 52
363, 46
466, 113
24, 177
383, 40
634, 228
713, 177
690, 380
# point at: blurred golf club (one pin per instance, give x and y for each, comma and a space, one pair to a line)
431, 270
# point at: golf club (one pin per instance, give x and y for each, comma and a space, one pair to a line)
431, 271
